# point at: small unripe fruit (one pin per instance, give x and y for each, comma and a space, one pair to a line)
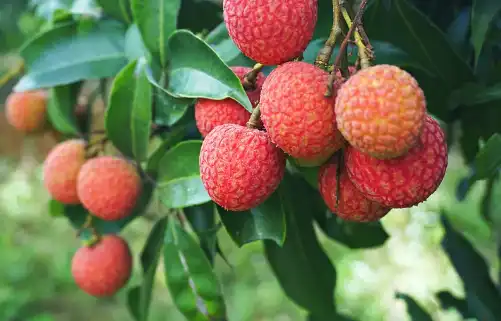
380, 111
240, 167
352, 205
104, 268
211, 113
61, 168
26, 111
297, 115
404, 181
108, 187
271, 32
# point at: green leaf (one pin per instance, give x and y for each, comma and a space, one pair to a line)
139, 297
61, 108
65, 54
55, 208
482, 14
475, 95
192, 283
195, 70
128, 116
199, 16
118, 9
264, 222
488, 158
418, 37
447, 301
179, 182
300, 265
481, 292
156, 20
416, 312
134, 46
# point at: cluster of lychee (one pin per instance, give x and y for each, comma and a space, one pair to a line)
107, 186
376, 146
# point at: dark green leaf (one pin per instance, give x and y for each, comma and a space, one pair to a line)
416, 312
447, 301
192, 283
488, 158
61, 108
199, 16
118, 9
55, 208
475, 95
458, 33
139, 297
65, 55
156, 20
300, 265
141, 114
338, 317
179, 182
264, 222
134, 46
195, 70
481, 292
482, 14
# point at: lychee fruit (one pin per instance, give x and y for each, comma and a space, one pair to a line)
26, 111
240, 167
61, 168
297, 115
211, 113
404, 181
380, 111
271, 32
352, 205
108, 187
102, 269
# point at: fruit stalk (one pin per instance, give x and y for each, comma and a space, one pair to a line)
255, 119
249, 81
324, 55
364, 48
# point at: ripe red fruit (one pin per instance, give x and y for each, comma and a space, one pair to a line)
211, 113
269, 31
297, 115
61, 168
104, 268
108, 187
240, 167
26, 111
380, 111
404, 181
352, 205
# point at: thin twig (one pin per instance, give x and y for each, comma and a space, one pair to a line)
363, 51
324, 55
249, 81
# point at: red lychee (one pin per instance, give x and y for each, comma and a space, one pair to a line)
404, 181
26, 111
297, 115
380, 111
61, 168
211, 113
104, 268
108, 187
240, 167
271, 32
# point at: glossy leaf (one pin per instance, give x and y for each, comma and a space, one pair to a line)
61, 108
156, 20
447, 301
415, 311
264, 222
488, 158
195, 70
482, 14
481, 292
118, 9
66, 54
301, 265
458, 33
141, 114
179, 182
192, 283
134, 46
139, 297
475, 95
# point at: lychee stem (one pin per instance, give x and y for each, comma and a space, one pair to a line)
364, 51
255, 119
249, 81
324, 55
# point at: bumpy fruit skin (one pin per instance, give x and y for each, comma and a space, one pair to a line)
353, 205
404, 181
240, 167
104, 268
61, 168
297, 115
211, 113
271, 32
380, 111
108, 187
26, 111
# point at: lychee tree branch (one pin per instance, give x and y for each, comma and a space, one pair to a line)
249, 81
324, 55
